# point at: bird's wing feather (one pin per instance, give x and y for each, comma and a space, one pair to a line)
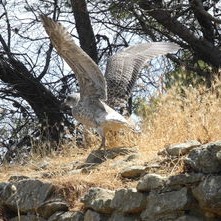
91, 81
123, 68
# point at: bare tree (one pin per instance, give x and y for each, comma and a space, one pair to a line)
34, 79
22, 77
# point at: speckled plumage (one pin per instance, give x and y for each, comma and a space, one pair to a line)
92, 106
123, 69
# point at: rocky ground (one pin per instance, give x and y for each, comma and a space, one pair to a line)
182, 184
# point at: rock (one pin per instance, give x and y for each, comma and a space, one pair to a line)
18, 178
133, 171
99, 156
218, 155
188, 218
151, 165
182, 148
121, 217
128, 201
184, 179
67, 216
132, 157
120, 164
208, 194
205, 158
6, 191
27, 218
164, 217
126, 161
95, 157
170, 203
99, 200
30, 194
94, 216
50, 207
150, 182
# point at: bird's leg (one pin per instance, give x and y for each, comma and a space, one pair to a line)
103, 143
103, 139
87, 135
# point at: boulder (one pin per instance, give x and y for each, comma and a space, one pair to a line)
29, 195
205, 158
188, 218
128, 201
67, 216
164, 217
99, 200
184, 179
122, 217
181, 148
48, 208
94, 216
133, 171
99, 156
150, 182
208, 194
125, 161
6, 191
169, 204
28, 217
133, 157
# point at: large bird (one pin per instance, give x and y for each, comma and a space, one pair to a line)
98, 94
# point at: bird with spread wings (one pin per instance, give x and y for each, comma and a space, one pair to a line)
99, 94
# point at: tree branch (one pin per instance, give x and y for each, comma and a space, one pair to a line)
204, 19
47, 62
204, 49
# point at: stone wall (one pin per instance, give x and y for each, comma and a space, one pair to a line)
191, 196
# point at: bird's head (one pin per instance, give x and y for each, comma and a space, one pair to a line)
70, 102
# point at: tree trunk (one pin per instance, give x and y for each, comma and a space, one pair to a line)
43, 102
84, 28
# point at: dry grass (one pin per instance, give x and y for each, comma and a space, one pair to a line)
73, 187
193, 114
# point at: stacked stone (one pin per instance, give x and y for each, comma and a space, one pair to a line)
191, 196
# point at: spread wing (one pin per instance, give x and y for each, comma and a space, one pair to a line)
91, 81
123, 68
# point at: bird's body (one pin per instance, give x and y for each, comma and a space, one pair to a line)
93, 107
94, 113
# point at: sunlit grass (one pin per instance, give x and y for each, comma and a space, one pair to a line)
184, 114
